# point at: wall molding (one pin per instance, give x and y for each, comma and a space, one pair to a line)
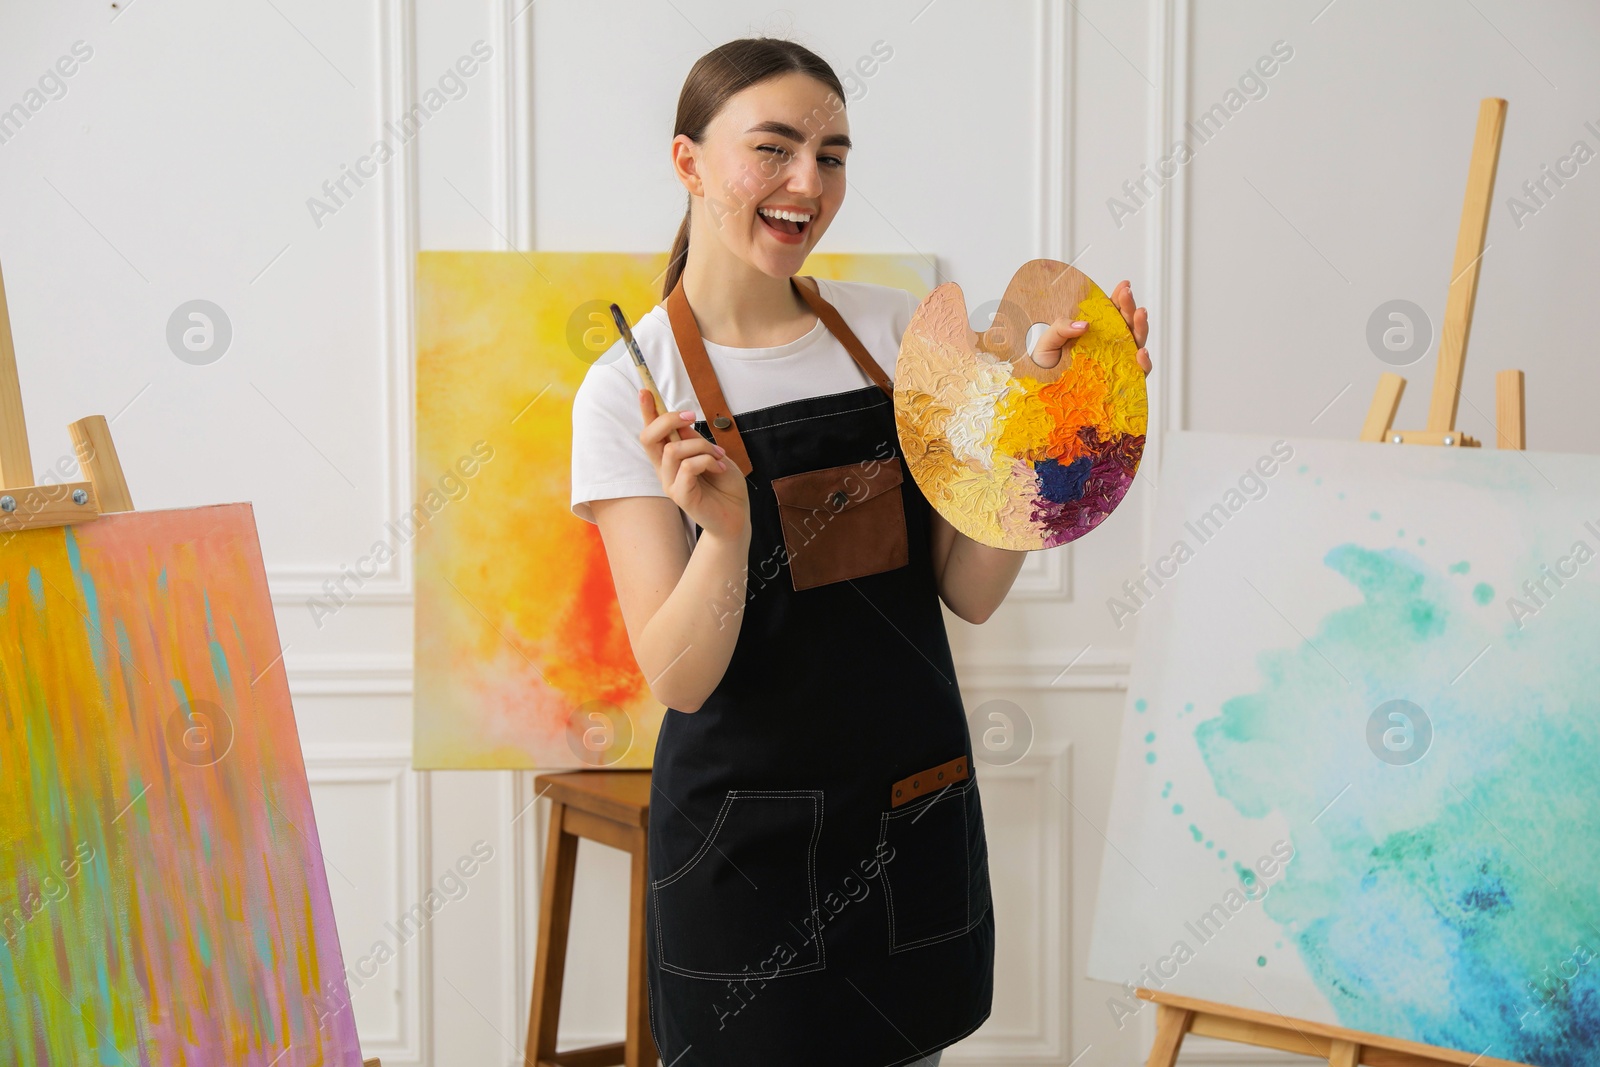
1166, 239
1045, 770
513, 144
368, 674
1045, 575
348, 674
1092, 670
1048, 575
396, 88
1167, 265
522, 882
389, 763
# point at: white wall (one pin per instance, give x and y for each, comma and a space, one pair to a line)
178, 165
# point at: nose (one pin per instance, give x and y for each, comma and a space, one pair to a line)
805, 177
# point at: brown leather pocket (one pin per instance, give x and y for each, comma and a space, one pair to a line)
842, 522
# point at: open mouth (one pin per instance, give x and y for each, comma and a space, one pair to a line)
785, 224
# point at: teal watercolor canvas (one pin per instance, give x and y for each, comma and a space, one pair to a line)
1357, 778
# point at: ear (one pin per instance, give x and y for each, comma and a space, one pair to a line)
686, 164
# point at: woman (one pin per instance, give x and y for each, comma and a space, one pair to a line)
819, 888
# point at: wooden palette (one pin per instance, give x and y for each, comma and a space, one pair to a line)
1012, 454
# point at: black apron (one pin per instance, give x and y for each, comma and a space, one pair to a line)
819, 881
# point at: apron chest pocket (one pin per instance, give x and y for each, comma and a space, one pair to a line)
743, 903
935, 872
842, 522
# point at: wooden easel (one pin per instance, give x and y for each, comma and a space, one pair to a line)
1177, 1016
26, 506
1462, 295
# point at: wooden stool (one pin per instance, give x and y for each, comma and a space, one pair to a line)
612, 807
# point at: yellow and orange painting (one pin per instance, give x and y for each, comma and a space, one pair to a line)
521, 657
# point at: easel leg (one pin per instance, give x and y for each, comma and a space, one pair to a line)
97, 457
555, 913
1344, 1054
16, 462
1171, 1024
1463, 291
1385, 402
1509, 410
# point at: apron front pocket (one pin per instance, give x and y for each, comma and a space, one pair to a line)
935, 867
744, 903
843, 522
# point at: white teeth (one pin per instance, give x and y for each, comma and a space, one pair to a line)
787, 216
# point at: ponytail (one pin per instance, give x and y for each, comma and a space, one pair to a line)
677, 257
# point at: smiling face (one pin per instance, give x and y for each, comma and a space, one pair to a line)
768, 175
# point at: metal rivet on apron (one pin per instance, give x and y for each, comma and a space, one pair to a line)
838, 498
941, 775
897, 792
722, 422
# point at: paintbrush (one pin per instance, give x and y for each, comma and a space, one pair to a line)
638, 361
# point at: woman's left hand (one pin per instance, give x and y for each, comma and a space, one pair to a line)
1060, 334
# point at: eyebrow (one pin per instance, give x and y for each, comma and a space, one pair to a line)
783, 129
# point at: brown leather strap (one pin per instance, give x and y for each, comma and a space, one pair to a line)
724, 430
924, 782
852, 344
704, 380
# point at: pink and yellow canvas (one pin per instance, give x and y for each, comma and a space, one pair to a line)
163, 901
521, 658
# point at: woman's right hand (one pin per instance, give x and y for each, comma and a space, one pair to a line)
694, 472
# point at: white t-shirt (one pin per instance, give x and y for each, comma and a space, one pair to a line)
608, 460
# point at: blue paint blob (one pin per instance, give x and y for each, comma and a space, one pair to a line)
1483, 592
1140, 704
1062, 484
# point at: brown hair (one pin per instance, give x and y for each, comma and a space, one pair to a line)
718, 75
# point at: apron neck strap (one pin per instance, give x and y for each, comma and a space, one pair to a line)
841, 331
686, 332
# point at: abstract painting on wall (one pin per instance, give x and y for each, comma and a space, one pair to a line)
1356, 782
521, 657
162, 892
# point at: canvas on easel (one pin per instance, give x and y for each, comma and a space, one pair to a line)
163, 897
1357, 759
1430, 911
